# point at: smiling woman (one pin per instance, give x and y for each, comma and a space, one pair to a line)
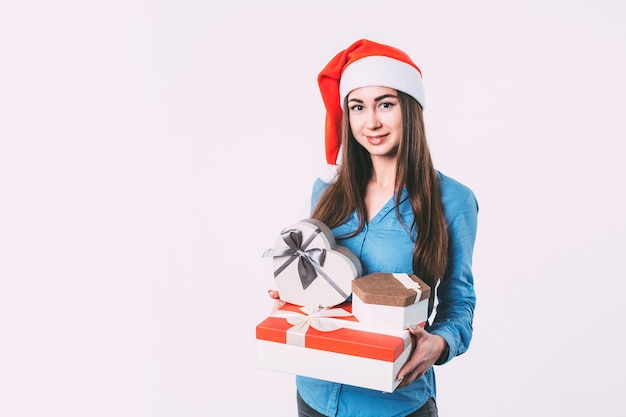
390, 207
376, 120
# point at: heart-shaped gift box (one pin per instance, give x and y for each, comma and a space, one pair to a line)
310, 269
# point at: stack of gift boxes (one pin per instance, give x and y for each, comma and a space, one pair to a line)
336, 324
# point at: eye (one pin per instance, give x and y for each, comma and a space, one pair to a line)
386, 105
356, 107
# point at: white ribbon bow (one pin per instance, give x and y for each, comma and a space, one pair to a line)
320, 318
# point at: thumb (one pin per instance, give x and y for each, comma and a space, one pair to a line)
416, 331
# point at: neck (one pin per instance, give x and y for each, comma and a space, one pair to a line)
384, 172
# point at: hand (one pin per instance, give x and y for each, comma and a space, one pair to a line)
429, 348
278, 303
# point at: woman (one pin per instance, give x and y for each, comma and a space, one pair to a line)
388, 205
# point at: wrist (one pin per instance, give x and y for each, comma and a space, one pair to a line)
445, 352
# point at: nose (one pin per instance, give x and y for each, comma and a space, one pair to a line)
373, 121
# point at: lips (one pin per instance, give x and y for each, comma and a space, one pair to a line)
376, 140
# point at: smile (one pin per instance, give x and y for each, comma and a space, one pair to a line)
376, 140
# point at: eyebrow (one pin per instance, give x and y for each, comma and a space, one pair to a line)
377, 99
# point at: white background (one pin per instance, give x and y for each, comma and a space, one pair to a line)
151, 151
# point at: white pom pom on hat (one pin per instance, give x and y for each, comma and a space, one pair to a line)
362, 64
329, 172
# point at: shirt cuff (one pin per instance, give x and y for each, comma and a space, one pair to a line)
449, 351
443, 358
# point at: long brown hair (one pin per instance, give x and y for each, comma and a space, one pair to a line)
414, 170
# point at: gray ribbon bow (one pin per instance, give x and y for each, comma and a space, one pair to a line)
310, 261
297, 250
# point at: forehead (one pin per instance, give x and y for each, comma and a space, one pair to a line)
371, 92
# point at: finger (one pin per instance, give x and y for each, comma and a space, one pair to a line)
415, 373
415, 367
408, 368
276, 305
273, 294
416, 330
409, 378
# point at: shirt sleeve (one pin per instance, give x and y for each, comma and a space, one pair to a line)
455, 294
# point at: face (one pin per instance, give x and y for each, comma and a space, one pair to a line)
376, 120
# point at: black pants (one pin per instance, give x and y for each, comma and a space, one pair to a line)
427, 410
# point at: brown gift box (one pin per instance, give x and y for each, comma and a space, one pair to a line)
383, 289
384, 300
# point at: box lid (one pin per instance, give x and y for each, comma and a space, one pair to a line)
353, 340
390, 289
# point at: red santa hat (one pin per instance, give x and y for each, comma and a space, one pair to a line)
362, 64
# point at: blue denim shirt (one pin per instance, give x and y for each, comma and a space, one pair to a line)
384, 245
